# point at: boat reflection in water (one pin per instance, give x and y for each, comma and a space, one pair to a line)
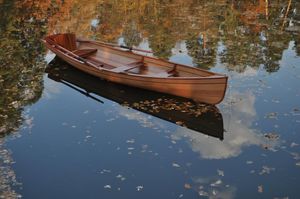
203, 118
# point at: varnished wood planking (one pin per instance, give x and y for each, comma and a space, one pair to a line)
199, 85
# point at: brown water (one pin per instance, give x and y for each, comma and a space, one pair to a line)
65, 134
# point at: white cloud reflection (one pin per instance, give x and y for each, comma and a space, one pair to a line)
142, 118
52, 88
240, 133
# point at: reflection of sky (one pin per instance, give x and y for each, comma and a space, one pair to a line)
239, 133
95, 23
143, 119
52, 88
179, 54
49, 56
144, 44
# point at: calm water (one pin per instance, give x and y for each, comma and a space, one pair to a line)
64, 134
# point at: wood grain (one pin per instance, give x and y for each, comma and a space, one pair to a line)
129, 68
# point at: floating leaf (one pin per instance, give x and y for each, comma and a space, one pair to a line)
131, 141
105, 171
180, 123
217, 183
272, 136
107, 186
272, 115
86, 112
260, 189
187, 186
293, 144
139, 188
249, 162
119, 176
266, 170
202, 193
220, 172
176, 165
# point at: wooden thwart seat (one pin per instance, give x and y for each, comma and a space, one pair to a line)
85, 52
168, 73
122, 69
127, 67
163, 74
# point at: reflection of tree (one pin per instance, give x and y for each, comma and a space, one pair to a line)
202, 51
21, 65
69, 15
202, 43
161, 29
7, 175
250, 31
273, 52
5, 13
111, 21
21, 73
160, 42
243, 47
277, 40
131, 34
252, 37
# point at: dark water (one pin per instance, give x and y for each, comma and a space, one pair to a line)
65, 134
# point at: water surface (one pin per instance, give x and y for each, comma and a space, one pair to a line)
65, 134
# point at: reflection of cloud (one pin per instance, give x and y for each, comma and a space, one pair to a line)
51, 88
49, 56
212, 148
144, 119
245, 105
28, 120
249, 71
239, 132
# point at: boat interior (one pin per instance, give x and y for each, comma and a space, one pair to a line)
103, 56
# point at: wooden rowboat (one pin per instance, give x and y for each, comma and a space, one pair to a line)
126, 67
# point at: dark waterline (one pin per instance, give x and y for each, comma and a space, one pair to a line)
65, 134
